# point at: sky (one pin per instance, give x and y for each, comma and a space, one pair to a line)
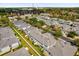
39, 4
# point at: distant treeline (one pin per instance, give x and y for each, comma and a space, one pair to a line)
21, 10
63, 13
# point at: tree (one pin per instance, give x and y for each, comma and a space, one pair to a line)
76, 42
58, 33
72, 34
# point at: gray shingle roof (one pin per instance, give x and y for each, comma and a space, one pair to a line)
7, 37
62, 48
35, 33
6, 33
59, 47
19, 52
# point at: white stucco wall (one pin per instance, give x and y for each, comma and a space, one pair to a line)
15, 45
4, 50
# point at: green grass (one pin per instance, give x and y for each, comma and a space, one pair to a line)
24, 44
3, 21
31, 43
58, 33
46, 29
39, 23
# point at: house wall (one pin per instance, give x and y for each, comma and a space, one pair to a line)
4, 50
15, 45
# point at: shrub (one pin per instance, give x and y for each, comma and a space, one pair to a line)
58, 33
72, 34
